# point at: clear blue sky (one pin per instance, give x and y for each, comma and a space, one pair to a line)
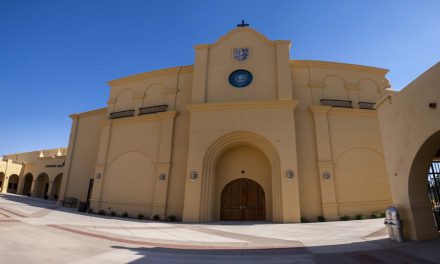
56, 56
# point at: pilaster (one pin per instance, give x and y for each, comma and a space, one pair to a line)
69, 156
163, 168
284, 72
325, 162
200, 74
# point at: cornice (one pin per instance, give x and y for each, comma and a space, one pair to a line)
282, 42
291, 104
146, 75
242, 29
342, 110
89, 113
338, 66
320, 108
353, 111
202, 46
385, 96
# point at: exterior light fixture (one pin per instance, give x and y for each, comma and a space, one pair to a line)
98, 175
326, 175
290, 175
433, 105
194, 175
162, 177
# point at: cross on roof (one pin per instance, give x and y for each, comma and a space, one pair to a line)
242, 24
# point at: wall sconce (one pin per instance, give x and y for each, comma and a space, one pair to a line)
194, 176
290, 175
98, 175
326, 175
433, 105
162, 177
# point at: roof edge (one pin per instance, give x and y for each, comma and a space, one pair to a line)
339, 66
151, 74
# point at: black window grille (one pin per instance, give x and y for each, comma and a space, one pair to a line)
121, 114
366, 105
153, 109
337, 103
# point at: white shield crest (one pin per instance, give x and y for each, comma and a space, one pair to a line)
240, 54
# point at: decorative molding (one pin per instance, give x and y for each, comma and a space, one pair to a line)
89, 113
290, 104
353, 111
351, 86
202, 46
342, 110
385, 96
282, 42
325, 164
338, 66
242, 29
316, 85
320, 108
163, 166
146, 75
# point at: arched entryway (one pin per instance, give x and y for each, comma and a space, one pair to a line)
2, 180
27, 186
56, 186
243, 200
13, 183
422, 180
240, 155
42, 186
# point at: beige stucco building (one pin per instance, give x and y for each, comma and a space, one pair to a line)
410, 129
37, 173
245, 133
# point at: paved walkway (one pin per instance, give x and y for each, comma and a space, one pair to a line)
42, 232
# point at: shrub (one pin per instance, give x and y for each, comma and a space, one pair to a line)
321, 218
359, 216
375, 214
101, 212
344, 218
304, 220
382, 215
124, 214
141, 216
112, 213
156, 217
172, 218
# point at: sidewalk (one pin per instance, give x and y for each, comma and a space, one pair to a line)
364, 241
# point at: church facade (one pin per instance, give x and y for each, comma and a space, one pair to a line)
245, 133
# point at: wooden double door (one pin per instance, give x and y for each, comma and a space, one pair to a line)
243, 200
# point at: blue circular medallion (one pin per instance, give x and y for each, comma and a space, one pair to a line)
240, 78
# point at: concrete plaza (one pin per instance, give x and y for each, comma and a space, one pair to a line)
38, 231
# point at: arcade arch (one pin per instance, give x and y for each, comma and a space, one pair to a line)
27, 186
41, 186
13, 183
